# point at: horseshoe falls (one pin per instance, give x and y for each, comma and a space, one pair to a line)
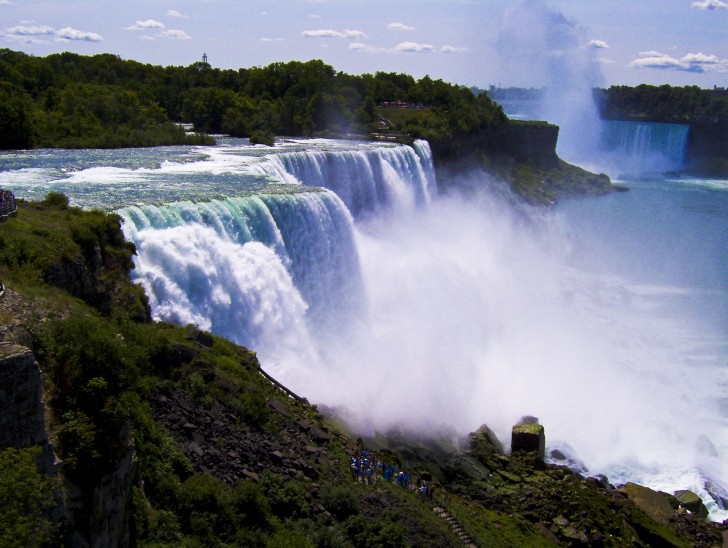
645, 146
365, 289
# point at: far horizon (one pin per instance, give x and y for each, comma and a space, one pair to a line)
478, 43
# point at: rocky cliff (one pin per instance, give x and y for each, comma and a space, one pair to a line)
532, 143
22, 410
708, 149
522, 155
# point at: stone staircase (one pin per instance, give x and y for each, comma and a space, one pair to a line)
455, 526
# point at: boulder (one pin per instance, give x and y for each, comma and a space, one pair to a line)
691, 501
529, 436
484, 444
658, 505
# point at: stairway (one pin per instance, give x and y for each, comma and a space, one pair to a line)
455, 526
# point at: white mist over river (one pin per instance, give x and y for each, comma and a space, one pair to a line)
605, 317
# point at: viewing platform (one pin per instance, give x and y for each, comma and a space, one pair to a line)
8, 207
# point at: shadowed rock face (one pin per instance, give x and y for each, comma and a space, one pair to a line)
22, 413
529, 436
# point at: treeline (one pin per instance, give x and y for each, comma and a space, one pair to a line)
69, 100
663, 103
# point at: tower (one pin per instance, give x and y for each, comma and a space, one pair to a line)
204, 58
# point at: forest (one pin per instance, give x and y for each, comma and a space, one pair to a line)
663, 103
75, 101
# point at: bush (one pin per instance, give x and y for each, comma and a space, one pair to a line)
260, 137
340, 500
55, 199
26, 496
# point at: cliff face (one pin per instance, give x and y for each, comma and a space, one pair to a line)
708, 149
528, 143
522, 154
22, 412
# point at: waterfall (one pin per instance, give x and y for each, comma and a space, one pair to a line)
367, 179
259, 269
653, 146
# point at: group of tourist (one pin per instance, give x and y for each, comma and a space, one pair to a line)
7, 202
366, 467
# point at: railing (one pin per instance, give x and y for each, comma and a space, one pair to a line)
8, 209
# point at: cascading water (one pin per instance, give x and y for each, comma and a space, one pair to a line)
366, 179
645, 146
252, 268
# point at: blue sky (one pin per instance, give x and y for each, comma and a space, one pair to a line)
471, 42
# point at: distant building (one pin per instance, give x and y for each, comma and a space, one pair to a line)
204, 58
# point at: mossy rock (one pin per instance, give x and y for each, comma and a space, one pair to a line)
658, 505
691, 501
529, 437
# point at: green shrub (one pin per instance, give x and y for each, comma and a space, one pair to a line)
55, 199
26, 496
340, 500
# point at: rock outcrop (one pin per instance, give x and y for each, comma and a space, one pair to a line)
529, 143
22, 412
528, 436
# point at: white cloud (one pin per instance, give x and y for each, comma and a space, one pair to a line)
146, 25
354, 34
399, 26
175, 34
598, 44
710, 4
33, 30
692, 62
174, 13
330, 33
452, 49
69, 33
271, 39
413, 47
29, 32
5, 2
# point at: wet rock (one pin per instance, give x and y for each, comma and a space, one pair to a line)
279, 407
658, 505
691, 501
529, 436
